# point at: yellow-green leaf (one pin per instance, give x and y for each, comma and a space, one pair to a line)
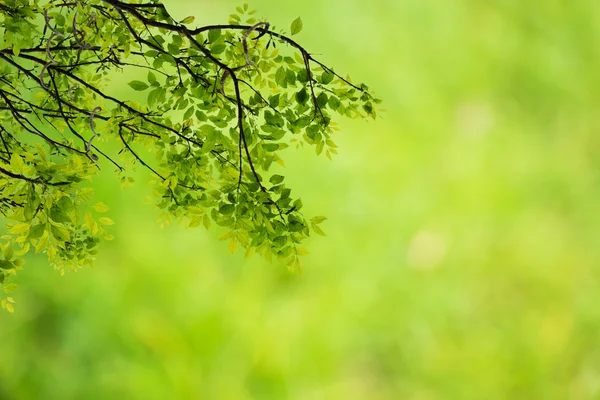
10, 287
138, 85
318, 230
233, 245
16, 163
60, 232
196, 221
296, 26
100, 207
318, 220
188, 20
20, 228
89, 221
302, 251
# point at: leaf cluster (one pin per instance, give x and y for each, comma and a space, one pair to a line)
208, 114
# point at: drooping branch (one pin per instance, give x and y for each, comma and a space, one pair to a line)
213, 105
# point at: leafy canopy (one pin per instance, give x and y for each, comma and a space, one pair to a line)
208, 114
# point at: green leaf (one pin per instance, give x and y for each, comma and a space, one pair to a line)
285, 193
218, 48
333, 103
290, 77
152, 78
214, 35
59, 18
154, 95
31, 205
298, 204
296, 226
173, 49
8, 252
276, 179
65, 203
322, 99
36, 231
280, 76
138, 85
201, 116
59, 215
188, 20
318, 220
319, 147
227, 209
278, 134
302, 76
274, 100
211, 138
16, 163
5, 264
270, 147
327, 77
188, 114
274, 119
296, 26
302, 96
60, 233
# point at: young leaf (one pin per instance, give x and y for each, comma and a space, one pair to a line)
138, 85
276, 179
188, 20
318, 230
218, 48
214, 35
36, 231
100, 207
10, 288
232, 247
296, 26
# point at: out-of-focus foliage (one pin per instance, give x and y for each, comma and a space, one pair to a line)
462, 257
220, 103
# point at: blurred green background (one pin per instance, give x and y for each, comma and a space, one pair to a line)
462, 256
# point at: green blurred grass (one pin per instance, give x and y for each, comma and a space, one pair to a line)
462, 253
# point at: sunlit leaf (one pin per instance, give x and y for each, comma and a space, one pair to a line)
296, 26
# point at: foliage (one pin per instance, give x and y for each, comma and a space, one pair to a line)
215, 107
